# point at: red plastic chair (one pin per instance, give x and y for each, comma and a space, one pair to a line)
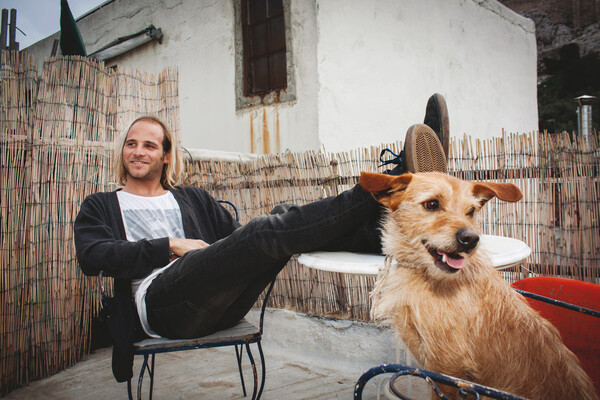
580, 332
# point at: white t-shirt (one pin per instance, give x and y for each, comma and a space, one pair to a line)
149, 218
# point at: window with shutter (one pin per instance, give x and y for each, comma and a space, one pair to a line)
264, 46
263, 56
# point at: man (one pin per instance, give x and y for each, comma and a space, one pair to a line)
183, 267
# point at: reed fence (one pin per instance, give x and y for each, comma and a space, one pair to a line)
559, 216
57, 130
57, 133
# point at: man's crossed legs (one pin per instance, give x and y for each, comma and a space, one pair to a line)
213, 288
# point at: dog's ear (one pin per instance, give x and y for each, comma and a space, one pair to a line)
386, 189
504, 191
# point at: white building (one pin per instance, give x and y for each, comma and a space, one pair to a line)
358, 72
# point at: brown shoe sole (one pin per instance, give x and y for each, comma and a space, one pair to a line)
423, 151
437, 113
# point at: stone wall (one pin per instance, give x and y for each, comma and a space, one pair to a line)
574, 13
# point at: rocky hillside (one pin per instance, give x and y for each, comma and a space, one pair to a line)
553, 36
568, 41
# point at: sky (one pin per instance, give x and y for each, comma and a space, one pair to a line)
41, 18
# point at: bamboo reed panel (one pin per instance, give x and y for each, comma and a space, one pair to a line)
57, 137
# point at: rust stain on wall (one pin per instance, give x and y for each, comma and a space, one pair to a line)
277, 134
261, 127
265, 134
251, 133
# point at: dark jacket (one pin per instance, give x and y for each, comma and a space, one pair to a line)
102, 245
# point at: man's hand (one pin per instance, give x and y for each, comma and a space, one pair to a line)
179, 246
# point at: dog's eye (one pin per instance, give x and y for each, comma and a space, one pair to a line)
471, 212
431, 205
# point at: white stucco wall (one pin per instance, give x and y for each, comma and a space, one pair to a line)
379, 61
363, 69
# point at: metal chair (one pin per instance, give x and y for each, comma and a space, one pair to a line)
464, 387
579, 330
241, 335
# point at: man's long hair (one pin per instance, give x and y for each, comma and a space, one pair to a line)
172, 171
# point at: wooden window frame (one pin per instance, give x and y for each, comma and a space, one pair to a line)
263, 30
283, 88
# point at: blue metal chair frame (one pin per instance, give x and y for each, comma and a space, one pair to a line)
559, 303
465, 387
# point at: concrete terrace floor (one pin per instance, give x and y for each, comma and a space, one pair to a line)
306, 358
203, 374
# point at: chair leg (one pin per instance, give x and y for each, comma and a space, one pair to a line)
254, 372
238, 355
264, 369
141, 377
129, 395
151, 373
150, 369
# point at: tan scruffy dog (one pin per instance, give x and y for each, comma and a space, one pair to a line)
447, 303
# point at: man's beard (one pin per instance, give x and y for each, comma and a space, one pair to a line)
155, 170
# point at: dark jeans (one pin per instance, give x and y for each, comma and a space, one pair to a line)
213, 288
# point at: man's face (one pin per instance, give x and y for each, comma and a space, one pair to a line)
143, 156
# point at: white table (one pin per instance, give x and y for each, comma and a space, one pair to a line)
503, 251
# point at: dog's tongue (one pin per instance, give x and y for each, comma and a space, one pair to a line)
456, 263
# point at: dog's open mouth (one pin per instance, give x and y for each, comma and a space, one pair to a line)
449, 262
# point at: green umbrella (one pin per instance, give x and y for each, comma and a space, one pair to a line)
71, 43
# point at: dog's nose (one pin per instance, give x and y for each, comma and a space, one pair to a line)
467, 239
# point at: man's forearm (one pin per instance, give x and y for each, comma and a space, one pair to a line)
119, 258
180, 246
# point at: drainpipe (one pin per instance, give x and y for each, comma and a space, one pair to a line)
125, 44
584, 114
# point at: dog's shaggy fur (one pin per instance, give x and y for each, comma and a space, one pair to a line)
447, 303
